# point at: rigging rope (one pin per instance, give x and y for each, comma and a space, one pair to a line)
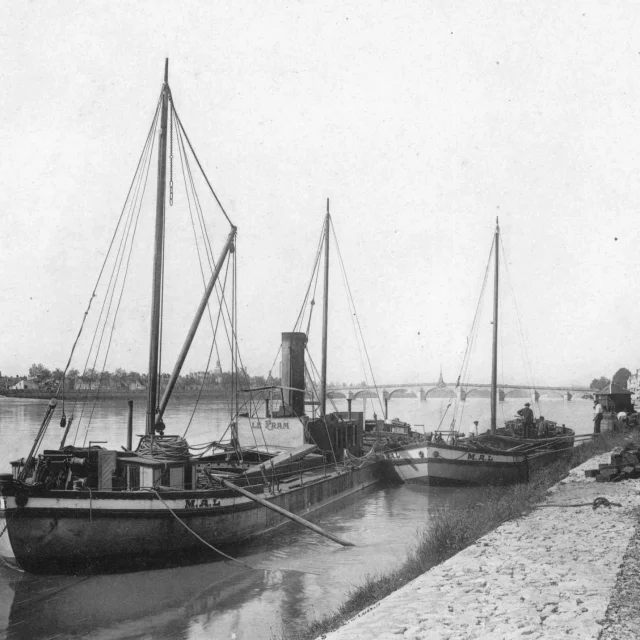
128, 238
194, 203
356, 321
231, 338
192, 532
471, 340
36, 444
198, 162
93, 294
225, 314
527, 362
134, 205
314, 273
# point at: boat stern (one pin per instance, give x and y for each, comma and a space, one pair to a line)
6, 550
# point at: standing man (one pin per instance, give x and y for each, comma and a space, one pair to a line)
527, 416
597, 416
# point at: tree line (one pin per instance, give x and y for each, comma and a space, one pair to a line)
123, 378
620, 379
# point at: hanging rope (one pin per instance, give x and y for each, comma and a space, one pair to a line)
36, 444
355, 319
132, 208
193, 533
194, 203
471, 340
198, 162
314, 276
173, 449
523, 347
115, 233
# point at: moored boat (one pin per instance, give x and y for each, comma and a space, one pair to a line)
504, 455
483, 460
88, 508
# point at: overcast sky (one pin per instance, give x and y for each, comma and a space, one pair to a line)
421, 121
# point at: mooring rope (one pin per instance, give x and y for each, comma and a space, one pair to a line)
598, 502
186, 526
8, 564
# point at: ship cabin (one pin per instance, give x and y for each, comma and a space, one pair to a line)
614, 398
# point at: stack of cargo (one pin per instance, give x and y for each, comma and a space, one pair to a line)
625, 464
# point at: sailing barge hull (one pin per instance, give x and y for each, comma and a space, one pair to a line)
448, 465
55, 532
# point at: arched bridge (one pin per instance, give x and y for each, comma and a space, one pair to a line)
440, 389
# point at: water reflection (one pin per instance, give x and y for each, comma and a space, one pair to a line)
161, 604
298, 575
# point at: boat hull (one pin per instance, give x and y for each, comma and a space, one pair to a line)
58, 533
433, 464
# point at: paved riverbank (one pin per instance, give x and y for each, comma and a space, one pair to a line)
550, 574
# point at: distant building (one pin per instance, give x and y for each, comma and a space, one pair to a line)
25, 384
614, 398
6, 382
217, 373
633, 385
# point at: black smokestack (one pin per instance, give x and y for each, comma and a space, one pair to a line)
293, 370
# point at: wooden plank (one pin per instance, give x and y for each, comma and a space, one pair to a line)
288, 514
283, 458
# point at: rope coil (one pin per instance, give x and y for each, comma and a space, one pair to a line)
598, 502
170, 449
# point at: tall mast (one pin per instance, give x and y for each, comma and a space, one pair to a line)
158, 257
325, 316
494, 352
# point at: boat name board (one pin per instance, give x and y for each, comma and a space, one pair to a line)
202, 503
481, 457
474, 457
270, 425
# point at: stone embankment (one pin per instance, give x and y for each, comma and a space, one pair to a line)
561, 571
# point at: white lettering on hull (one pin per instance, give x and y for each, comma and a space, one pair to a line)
127, 505
270, 425
421, 455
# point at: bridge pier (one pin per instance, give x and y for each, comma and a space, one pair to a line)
385, 395
461, 393
501, 395
567, 396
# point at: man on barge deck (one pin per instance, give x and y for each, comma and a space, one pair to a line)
527, 416
597, 418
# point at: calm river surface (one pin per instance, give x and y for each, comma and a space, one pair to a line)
298, 576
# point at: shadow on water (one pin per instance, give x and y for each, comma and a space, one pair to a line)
163, 603
298, 576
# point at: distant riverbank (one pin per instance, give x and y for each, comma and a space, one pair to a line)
41, 394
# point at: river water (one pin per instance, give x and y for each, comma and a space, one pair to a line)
297, 575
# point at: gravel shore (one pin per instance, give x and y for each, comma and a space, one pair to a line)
562, 571
622, 620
